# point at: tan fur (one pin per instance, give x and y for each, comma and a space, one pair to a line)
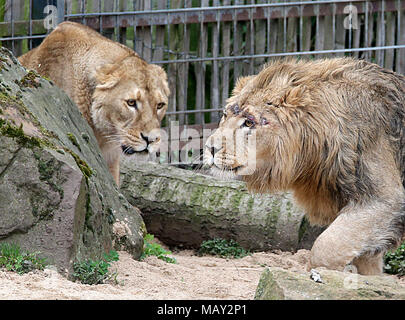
333, 132
100, 76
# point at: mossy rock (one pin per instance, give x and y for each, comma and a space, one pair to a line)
280, 284
184, 208
56, 192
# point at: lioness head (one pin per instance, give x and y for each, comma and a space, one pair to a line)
129, 101
258, 139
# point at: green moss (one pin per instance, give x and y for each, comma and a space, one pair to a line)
30, 80
12, 131
250, 203
3, 63
17, 103
303, 228
235, 200
73, 139
83, 166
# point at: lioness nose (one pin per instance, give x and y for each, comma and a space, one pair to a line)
214, 150
150, 138
146, 138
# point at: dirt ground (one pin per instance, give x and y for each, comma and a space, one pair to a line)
192, 277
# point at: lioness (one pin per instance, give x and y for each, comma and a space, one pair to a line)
333, 132
122, 97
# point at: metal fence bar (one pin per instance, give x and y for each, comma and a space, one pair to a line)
282, 54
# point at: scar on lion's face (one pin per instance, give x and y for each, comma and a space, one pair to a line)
236, 110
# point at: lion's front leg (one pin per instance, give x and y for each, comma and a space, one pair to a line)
359, 237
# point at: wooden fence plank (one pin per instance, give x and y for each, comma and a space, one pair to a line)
182, 83
215, 68
260, 40
200, 68
225, 51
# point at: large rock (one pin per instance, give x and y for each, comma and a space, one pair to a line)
57, 195
182, 207
281, 284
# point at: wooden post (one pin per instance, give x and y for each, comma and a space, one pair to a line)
201, 68
14, 10
226, 50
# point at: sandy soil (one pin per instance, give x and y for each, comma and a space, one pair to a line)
192, 277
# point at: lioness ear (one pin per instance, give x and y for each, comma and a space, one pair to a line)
240, 84
105, 76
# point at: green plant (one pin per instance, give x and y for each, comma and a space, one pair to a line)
223, 248
394, 261
14, 259
155, 249
95, 271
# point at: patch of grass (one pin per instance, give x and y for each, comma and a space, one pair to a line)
13, 258
394, 261
95, 271
223, 248
154, 249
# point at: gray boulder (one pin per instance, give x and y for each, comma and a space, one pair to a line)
57, 195
281, 284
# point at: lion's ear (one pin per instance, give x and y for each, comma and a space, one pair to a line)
105, 76
293, 97
240, 84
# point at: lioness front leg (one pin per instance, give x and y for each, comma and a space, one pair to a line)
114, 167
360, 237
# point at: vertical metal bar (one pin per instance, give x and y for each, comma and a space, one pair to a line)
380, 54
367, 54
116, 29
268, 12
252, 42
334, 26
317, 38
30, 25
60, 4
100, 22
301, 27
12, 25
350, 25
235, 46
398, 57
284, 30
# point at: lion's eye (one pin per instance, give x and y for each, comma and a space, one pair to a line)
248, 123
131, 103
160, 105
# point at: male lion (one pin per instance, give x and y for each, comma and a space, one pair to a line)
333, 132
121, 96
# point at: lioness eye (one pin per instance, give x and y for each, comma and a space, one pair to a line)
131, 103
248, 123
161, 105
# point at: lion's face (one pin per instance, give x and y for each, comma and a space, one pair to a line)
129, 102
253, 139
